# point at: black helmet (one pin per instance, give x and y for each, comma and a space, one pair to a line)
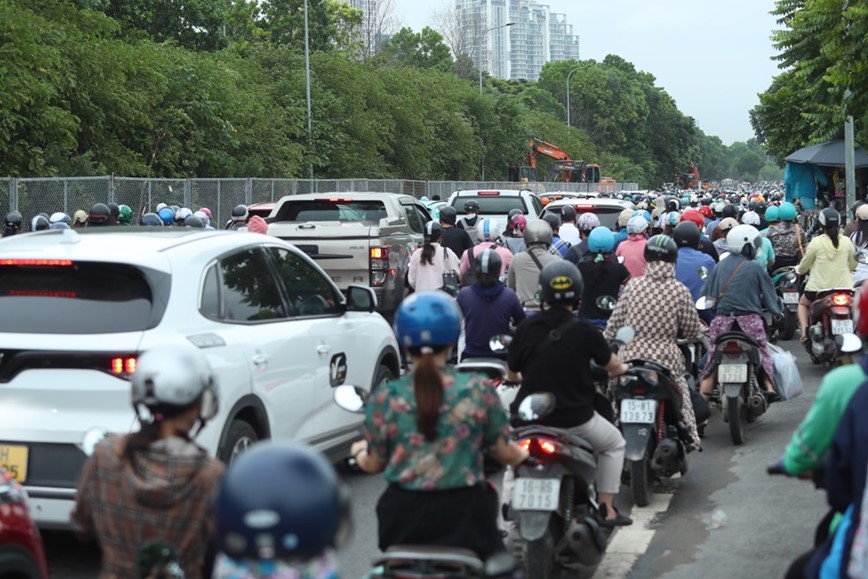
448, 215
239, 213
114, 210
761, 207
568, 213
662, 248
39, 223
512, 213
194, 222
472, 205
99, 214
829, 218
560, 282
12, 223
687, 234
151, 220
553, 220
730, 210
433, 231
487, 262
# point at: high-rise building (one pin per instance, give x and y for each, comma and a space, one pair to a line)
537, 36
371, 29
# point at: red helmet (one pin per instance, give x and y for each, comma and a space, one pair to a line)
694, 216
706, 211
518, 222
862, 312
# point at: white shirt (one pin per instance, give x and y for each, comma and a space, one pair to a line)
425, 277
569, 232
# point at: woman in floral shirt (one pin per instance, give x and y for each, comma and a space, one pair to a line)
428, 432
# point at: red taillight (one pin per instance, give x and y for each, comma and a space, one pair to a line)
841, 299
336, 200
37, 262
123, 366
547, 446
639, 391
379, 264
488, 193
378, 252
732, 347
41, 294
539, 445
524, 444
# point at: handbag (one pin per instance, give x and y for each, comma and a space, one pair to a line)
451, 285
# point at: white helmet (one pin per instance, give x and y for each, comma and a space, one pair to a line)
750, 218
60, 217
160, 206
488, 230
183, 213
169, 379
744, 240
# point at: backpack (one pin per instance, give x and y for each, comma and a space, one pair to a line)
786, 242
471, 229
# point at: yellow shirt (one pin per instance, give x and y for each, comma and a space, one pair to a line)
830, 267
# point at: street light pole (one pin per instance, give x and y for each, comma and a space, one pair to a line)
568, 90
482, 37
307, 90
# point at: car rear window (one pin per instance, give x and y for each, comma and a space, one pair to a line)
608, 215
493, 205
64, 297
345, 210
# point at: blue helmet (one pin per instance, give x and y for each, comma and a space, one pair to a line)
428, 319
279, 500
645, 215
167, 216
601, 240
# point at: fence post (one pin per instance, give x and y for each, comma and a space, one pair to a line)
13, 195
111, 188
248, 191
219, 204
188, 184
66, 196
150, 192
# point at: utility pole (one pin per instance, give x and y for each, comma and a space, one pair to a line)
307, 90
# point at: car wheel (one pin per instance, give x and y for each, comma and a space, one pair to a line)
383, 375
239, 438
16, 563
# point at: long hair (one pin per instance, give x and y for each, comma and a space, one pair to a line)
832, 232
428, 249
860, 238
428, 390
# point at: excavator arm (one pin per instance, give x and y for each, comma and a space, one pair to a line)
540, 147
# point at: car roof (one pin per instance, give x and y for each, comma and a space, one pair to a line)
504, 192
354, 195
605, 202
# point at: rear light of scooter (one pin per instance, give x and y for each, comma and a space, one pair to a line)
547, 446
841, 299
732, 347
535, 445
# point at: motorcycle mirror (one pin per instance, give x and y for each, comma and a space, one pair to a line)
625, 334
606, 303
848, 343
500, 565
705, 303
351, 398
499, 342
536, 406
862, 257
703, 273
723, 256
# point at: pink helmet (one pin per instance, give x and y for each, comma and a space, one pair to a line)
206, 211
518, 222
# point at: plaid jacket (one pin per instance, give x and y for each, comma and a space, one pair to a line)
166, 498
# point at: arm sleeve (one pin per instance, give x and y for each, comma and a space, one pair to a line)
518, 314
770, 296
413, 269
807, 261
598, 348
376, 419
811, 440
510, 276
689, 324
839, 467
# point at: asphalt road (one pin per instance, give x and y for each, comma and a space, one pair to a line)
726, 517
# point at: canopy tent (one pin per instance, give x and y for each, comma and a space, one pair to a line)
803, 173
828, 154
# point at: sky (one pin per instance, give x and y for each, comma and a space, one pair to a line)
712, 57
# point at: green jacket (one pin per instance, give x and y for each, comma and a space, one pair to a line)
807, 449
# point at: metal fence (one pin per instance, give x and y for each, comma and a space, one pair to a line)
34, 195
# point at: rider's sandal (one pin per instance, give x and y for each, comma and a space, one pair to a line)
619, 521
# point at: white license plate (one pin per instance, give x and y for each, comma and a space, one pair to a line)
638, 411
791, 297
732, 373
536, 494
842, 327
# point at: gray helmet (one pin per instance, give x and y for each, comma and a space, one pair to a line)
553, 219
538, 232
487, 262
828, 217
561, 282
448, 215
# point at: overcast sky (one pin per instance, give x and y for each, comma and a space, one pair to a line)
713, 57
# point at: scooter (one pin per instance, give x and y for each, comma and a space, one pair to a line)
830, 316
787, 286
495, 369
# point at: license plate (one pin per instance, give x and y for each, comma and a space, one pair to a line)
842, 327
13, 459
638, 411
791, 297
732, 373
536, 494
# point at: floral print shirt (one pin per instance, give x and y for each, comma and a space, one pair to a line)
471, 420
324, 567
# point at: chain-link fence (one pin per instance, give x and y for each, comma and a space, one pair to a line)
445, 188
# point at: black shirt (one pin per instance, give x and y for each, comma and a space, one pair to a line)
601, 279
561, 367
458, 240
707, 247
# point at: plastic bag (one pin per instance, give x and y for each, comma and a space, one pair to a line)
788, 381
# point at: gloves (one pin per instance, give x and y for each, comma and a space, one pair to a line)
777, 467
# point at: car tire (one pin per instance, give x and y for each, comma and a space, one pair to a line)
16, 563
383, 375
239, 437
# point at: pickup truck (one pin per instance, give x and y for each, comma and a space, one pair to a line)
357, 238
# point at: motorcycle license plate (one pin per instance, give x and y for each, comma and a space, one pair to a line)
732, 373
842, 327
791, 297
536, 494
638, 411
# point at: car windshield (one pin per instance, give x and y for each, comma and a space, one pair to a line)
608, 214
491, 205
65, 297
344, 210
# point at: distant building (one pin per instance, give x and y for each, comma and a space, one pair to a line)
371, 29
519, 51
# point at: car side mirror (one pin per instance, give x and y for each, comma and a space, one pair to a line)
361, 299
351, 398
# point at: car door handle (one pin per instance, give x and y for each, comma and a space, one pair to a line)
260, 360
323, 349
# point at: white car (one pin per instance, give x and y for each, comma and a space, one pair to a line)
78, 308
497, 203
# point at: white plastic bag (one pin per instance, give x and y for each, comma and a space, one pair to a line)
788, 381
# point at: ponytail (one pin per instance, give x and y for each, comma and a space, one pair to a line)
428, 253
428, 390
832, 232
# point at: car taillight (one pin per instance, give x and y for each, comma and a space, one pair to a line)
123, 367
488, 193
38, 262
841, 299
379, 260
41, 294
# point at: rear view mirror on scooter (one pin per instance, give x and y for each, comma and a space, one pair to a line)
625, 335
862, 257
703, 273
499, 342
536, 406
351, 398
606, 303
706, 303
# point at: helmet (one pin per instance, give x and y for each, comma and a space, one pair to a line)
125, 215
646, 215
568, 213
553, 220
193, 221
727, 224
761, 207
637, 224
828, 217
518, 222
206, 211
151, 219
428, 319
624, 217
487, 262
487, 230
601, 240
79, 217
201, 215
182, 214
513, 212
171, 378
751, 218
706, 211
472, 205
239, 213
160, 206
560, 281
588, 221
661, 248
687, 234
744, 240
693, 216
718, 208
730, 211
672, 218
773, 214
114, 210
538, 232
448, 215
59, 225
433, 231
167, 216
174, 208
862, 212
673, 205
39, 223
60, 217
256, 518
99, 214
788, 211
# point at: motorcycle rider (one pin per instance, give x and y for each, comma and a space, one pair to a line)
587, 222
488, 307
766, 255
693, 266
569, 232
564, 369
705, 244
623, 219
79, 219
470, 219
316, 514
156, 484
513, 237
830, 257
658, 328
429, 262
603, 276
237, 219
734, 284
633, 249
454, 238
523, 275
488, 234
428, 431
39, 223
12, 224
99, 215
558, 245
718, 238
788, 239
860, 242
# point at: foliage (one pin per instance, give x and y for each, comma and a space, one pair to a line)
418, 49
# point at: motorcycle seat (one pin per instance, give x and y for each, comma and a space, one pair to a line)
737, 336
493, 368
432, 553
648, 365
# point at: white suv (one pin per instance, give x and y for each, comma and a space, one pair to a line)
497, 203
78, 308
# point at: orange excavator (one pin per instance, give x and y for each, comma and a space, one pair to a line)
690, 179
564, 168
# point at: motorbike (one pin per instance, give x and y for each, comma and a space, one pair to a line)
739, 389
787, 286
495, 369
830, 316
425, 561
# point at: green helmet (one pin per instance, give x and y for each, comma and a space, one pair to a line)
788, 212
125, 214
773, 214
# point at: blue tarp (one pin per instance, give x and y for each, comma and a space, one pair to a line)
800, 182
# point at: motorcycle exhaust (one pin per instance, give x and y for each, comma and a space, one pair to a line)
757, 405
587, 540
667, 458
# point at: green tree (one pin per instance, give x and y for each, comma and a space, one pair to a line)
418, 49
197, 24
